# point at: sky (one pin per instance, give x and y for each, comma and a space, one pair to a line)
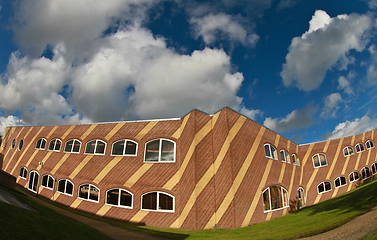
304, 69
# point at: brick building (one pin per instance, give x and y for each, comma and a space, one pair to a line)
198, 172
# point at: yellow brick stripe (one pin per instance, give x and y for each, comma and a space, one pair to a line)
368, 157
293, 194
104, 209
80, 166
15, 149
114, 131
138, 174
179, 131
76, 203
146, 129
57, 166
304, 160
348, 158
68, 132
237, 181
87, 132
44, 160
335, 159
139, 216
107, 169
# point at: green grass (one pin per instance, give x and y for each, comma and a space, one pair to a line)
309, 221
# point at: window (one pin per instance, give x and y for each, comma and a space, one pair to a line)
270, 151
324, 187
301, 197
72, 146
369, 144
13, 143
48, 182
95, 147
365, 173
89, 192
374, 168
319, 160
65, 186
347, 151
33, 181
23, 173
285, 156
359, 147
41, 144
275, 197
157, 201
354, 176
20, 145
124, 148
340, 181
296, 160
54, 145
119, 197
160, 150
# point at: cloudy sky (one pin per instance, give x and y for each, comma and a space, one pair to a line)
305, 69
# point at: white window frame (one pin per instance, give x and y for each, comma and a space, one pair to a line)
273, 153
28, 184
119, 196
48, 179
285, 200
361, 172
360, 144
302, 196
65, 187
160, 150
158, 202
296, 159
375, 168
340, 182
24, 169
285, 156
124, 148
353, 175
370, 145
73, 144
348, 151
95, 147
320, 162
88, 199
41, 139
53, 150
324, 189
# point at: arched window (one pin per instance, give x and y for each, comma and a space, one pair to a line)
354, 176
301, 197
374, 168
275, 197
369, 144
48, 182
347, 151
157, 201
72, 146
65, 186
296, 160
365, 173
285, 156
54, 145
124, 147
95, 147
23, 173
89, 192
359, 147
20, 145
319, 160
33, 181
270, 151
340, 181
41, 144
119, 197
160, 150
13, 143
324, 187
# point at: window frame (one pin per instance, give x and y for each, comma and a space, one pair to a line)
125, 148
88, 199
160, 150
348, 151
353, 176
36, 185
54, 150
20, 145
366, 168
285, 156
296, 159
371, 144
320, 162
73, 144
65, 187
324, 187
157, 202
374, 166
49, 177
119, 198
14, 142
23, 173
360, 150
274, 154
95, 147
302, 199
284, 198
40, 144
340, 181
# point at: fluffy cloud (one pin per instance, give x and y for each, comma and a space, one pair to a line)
331, 105
326, 43
252, 114
9, 121
213, 25
293, 121
349, 128
344, 84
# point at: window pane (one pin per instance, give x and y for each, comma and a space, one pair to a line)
131, 148
165, 201
150, 201
362, 147
112, 197
61, 185
30, 186
69, 188
282, 153
267, 150
275, 194
44, 180
21, 144
100, 147
52, 144
337, 182
90, 147
274, 154
94, 192
167, 153
327, 186
38, 145
356, 175
152, 151
321, 188
50, 183
68, 146
84, 191
118, 148
76, 147
343, 181
266, 200
125, 199
43, 144
323, 159
316, 161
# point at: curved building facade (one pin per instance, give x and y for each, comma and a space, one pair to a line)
197, 172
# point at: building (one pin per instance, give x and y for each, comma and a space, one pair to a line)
198, 172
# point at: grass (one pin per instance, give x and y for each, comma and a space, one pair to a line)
309, 221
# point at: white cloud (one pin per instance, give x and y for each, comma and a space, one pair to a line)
213, 26
326, 43
252, 114
349, 128
331, 105
287, 4
344, 84
293, 121
372, 4
9, 121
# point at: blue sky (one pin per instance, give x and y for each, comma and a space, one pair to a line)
305, 69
